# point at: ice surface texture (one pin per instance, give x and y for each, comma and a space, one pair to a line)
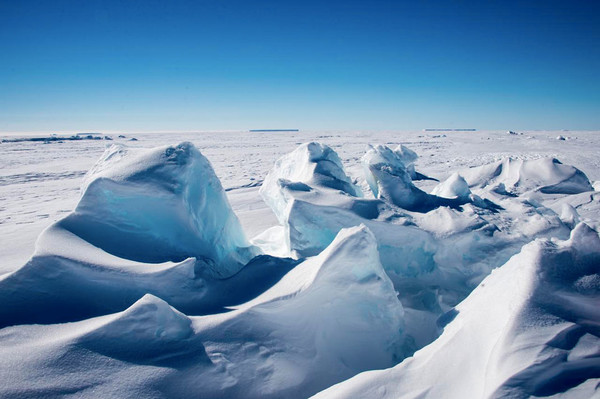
529, 329
162, 205
161, 295
389, 179
155, 221
331, 317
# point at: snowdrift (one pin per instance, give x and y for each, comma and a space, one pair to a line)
162, 295
529, 329
390, 180
329, 318
431, 274
162, 205
517, 176
455, 187
151, 222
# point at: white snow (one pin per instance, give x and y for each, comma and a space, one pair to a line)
516, 176
159, 205
299, 261
331, 317
391, 181
309, 164
454, 186
519, 334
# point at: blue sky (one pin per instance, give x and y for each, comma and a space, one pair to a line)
202, 65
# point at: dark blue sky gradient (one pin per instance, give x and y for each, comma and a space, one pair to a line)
179, 65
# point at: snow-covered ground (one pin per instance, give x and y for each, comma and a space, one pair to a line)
39, 183
464, 264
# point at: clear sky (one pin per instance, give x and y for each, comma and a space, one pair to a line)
135, 65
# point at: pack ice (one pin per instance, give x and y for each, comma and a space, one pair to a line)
530, 329
486, 286
154, 221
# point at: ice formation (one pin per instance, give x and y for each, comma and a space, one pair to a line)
408, 158
161, 295
161, 205
151, 222
313, 214
517, 176
331, 317
434, 258
455, 187
389, 179
529, 330
311, 164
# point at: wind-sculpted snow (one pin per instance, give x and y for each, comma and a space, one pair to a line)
164, 205
454, 186
148, 332
434, 258
529, 330
408, 241
160, 205
114, 356
372, 266
516, 176
329, 318
390, 181
78, 281
309, 164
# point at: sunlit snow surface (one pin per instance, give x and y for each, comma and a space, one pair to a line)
277, 264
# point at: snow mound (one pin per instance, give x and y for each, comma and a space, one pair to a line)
408, 158
517, 176
148, 319
330, 317
77, 280
311, 164
529, 329
127, 354
389, 180
148, 332
445, 222
333, 264
569, 215
164, 204
155, 221
455, 187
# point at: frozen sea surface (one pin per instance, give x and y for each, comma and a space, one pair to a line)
288, 264
39, 183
